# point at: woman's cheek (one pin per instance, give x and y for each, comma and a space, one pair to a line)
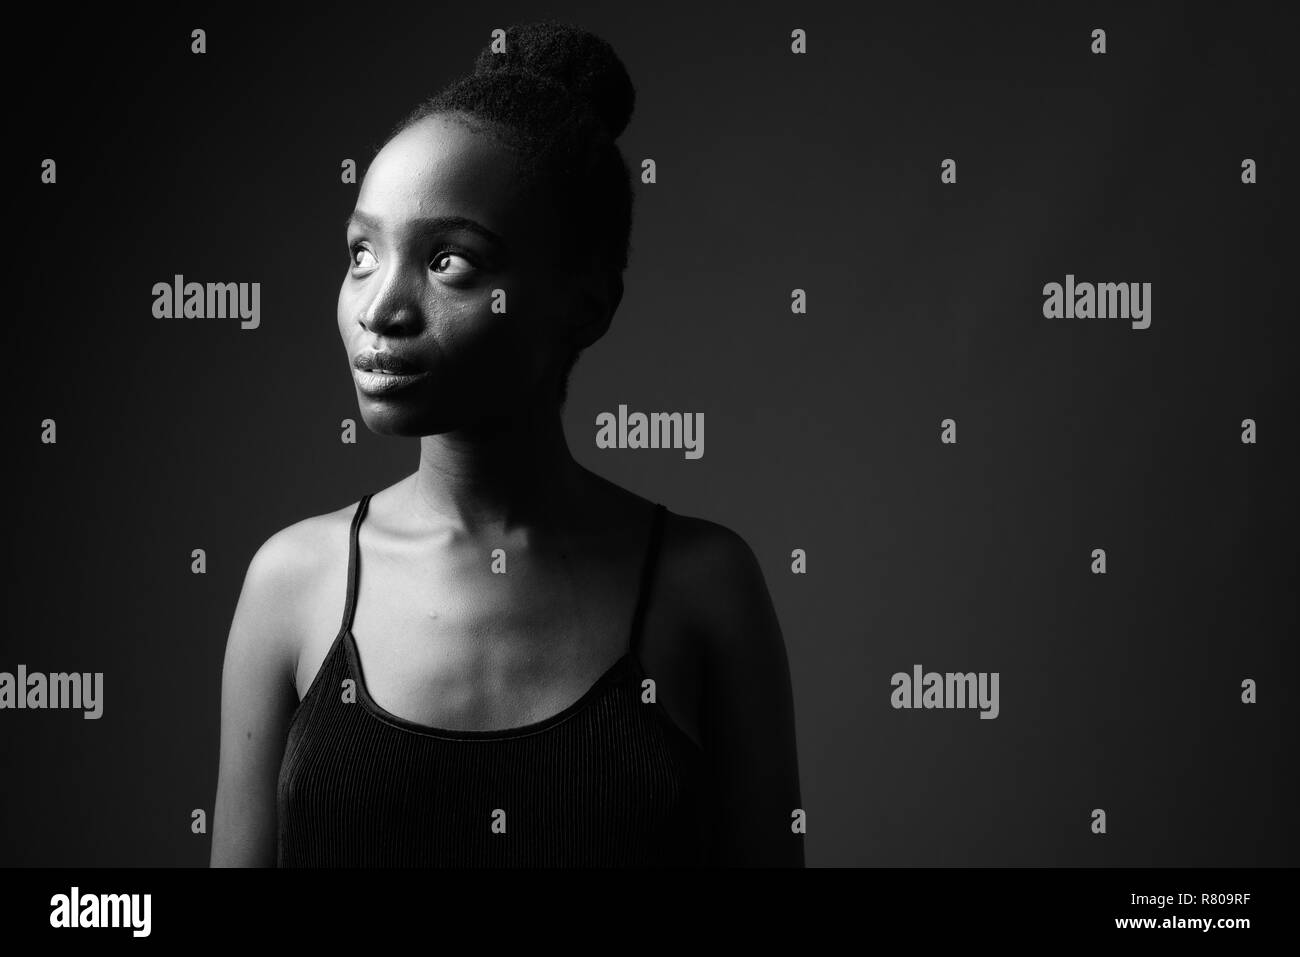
346, 308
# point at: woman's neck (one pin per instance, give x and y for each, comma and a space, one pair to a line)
515, 474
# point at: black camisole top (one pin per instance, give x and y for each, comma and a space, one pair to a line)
609, 781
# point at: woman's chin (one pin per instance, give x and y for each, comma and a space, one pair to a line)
385, 419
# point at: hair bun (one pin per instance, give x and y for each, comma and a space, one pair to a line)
579, 61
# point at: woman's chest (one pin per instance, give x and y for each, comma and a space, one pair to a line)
480, 649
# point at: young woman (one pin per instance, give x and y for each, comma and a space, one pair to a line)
503, 659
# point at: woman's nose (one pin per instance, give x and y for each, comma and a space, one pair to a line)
394, 304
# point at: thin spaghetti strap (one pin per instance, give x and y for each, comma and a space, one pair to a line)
354, 563
647, 576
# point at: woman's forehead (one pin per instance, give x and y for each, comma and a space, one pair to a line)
439, 167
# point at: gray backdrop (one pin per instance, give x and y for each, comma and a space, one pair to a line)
775, 171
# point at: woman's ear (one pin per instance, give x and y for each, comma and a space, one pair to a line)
598, 297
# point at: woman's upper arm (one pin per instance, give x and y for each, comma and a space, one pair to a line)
258, 698
747, 714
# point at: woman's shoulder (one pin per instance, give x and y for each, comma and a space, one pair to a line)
294, 565
282, 585
692, 545
297, 577
307, 542
704, 543
706, 569
692, 550
727, 613
715, 573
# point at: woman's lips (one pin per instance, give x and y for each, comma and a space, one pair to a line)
382, 383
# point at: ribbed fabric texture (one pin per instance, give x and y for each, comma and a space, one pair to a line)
607, 782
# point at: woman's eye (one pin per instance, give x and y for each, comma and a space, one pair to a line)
458, 264
358, 254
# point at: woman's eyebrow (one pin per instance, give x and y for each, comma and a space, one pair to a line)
431, 224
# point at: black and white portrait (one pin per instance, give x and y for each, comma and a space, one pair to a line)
364, 516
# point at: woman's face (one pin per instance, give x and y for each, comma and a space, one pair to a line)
457, 274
